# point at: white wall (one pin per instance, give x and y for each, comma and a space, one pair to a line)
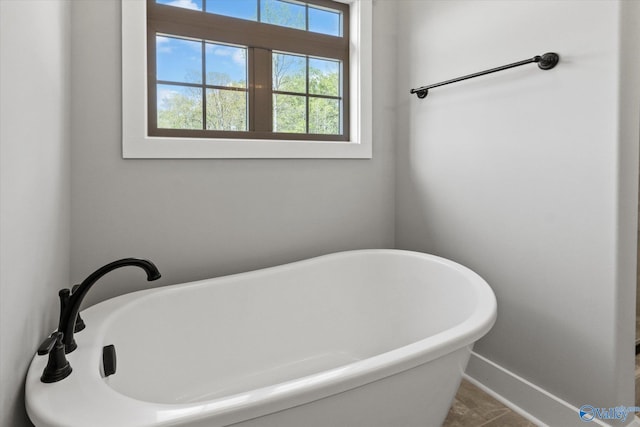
525, 176
34, 186
529, 177
202, 218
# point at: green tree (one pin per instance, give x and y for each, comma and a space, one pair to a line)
181, 110
226, 109
285, 14
324, 116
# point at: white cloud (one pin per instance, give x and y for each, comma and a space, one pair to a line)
187, 4
217, 50
163, 44
165, 95
238, 55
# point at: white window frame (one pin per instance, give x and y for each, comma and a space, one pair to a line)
136, 143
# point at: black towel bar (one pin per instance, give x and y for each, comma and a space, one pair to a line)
545, 62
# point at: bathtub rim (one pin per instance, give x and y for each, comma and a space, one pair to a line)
254, 403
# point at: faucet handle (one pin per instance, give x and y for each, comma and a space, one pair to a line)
47, 345
58, 367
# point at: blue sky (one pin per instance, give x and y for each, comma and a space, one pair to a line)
180, 59
320, 20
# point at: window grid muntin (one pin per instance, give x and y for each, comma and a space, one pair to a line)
203, 78
259, 3
309, 95
193, 25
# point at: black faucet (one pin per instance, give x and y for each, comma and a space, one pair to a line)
70, 301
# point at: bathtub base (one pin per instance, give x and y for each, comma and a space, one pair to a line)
406, 399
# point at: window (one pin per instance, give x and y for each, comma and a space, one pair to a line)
246, 78
252, 68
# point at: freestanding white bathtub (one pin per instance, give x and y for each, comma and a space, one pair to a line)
353, 339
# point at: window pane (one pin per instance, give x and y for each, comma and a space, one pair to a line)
289, 114
283, 13
324, 116
178, 60
226, 65
226, 109
324, 77
289, 73
187, 4
324, 21
179, 107
243, 9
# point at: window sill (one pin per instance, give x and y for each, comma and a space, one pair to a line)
193, 148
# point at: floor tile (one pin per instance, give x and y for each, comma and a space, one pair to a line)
461, 416
480, 402
510, 419
474, 408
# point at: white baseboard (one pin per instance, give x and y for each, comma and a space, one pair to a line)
528, 399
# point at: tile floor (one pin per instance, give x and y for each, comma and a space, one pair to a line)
474, 408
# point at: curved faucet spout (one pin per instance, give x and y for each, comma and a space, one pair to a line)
71, 307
